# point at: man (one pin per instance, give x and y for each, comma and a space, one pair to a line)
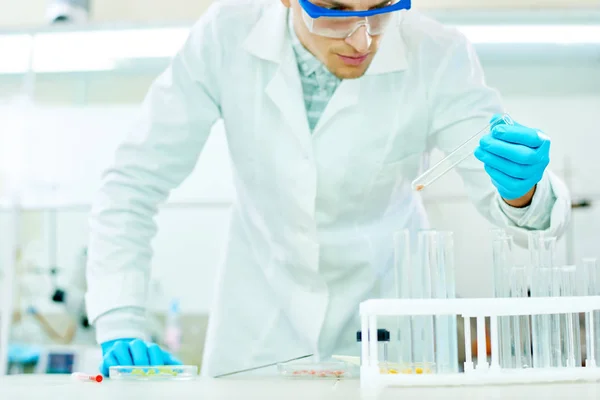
328, 107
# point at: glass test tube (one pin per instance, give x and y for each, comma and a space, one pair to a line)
404, 270
534, 238
428, 275
422, 326
383, 338
457, 156
591, 287
541, 286
556, 346
570, 339
521, 333
502, 252
441, 265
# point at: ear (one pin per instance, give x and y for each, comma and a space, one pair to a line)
286, 3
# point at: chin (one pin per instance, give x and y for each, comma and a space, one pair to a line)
349, 72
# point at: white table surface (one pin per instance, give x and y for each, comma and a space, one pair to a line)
63, 388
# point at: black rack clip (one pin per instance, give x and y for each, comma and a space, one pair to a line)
583, 203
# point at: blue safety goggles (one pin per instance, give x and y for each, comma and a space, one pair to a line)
315, 11
334, 23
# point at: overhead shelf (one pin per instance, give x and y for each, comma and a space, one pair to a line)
538, 16
563, 35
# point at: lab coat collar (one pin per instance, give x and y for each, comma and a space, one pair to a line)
391, 56
269, 40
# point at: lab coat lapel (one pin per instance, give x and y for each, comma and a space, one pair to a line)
270, 41
391, 56
346, 95
285, 90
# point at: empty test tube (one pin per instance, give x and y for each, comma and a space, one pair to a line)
426, 340
404, 270
440, 248
503, 262
542, 286
521, 333
540, 336
402, 263
534, 238
422, 326
590, 277
457, 156
570, 340
556, 343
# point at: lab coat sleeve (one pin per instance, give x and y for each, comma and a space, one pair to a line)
534, 215
461, 105
161, 151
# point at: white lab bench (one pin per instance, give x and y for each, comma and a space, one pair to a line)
62, 387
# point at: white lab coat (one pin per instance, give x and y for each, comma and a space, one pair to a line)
311, 228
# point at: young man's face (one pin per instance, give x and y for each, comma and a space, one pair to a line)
346, 58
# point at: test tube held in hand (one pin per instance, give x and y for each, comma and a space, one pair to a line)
458, 155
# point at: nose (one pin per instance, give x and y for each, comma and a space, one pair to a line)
360, 40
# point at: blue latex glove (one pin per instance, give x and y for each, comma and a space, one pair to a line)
133, 352
515, 157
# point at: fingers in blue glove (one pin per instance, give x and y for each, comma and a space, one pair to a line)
510, 168
518, 134
151, 354
122, 353
139, 352
509, 187
522, 154
171, 360
134, 352
156, 354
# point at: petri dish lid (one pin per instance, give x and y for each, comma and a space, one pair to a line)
322, 370
162, 372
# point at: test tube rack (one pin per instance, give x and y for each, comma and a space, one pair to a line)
485, 372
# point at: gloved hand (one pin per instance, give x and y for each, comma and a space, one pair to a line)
133, 352
515, 157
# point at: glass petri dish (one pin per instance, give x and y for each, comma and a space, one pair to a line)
325, 370
146, 373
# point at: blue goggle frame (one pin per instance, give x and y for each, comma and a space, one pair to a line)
315, 11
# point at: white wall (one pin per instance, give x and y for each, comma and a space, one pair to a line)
31, 12
72, 144
63, 166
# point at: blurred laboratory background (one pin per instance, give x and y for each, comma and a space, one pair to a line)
72, 75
